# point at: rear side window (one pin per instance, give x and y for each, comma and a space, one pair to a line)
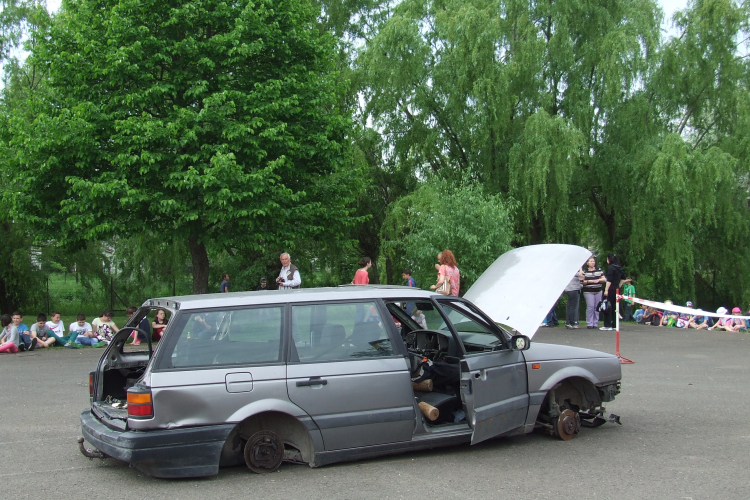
231, 337
338, 332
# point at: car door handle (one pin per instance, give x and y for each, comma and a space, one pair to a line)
312, 381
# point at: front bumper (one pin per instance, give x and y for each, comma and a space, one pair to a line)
166, 453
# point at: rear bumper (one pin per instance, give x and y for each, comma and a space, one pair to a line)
166, 453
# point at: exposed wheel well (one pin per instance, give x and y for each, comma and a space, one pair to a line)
575, 393
291, 431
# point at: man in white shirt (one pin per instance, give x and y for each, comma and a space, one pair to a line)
289, 274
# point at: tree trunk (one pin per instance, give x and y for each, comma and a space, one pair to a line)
7, 298
389, 271
199, 257
536, 229
7, 304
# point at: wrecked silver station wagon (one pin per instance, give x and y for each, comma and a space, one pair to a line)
319, 376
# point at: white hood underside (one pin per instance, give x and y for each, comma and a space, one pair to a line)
521, 286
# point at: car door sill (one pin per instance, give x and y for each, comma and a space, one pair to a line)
443, 430
452, 436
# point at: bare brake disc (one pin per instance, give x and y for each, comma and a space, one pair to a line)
264, 452
567, 425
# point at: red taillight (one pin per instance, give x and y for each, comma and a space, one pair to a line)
91, 384
140, 410
139, 403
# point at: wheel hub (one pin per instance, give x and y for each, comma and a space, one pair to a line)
264, 452
567, 425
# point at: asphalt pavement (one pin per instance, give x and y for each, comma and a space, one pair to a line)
685, 434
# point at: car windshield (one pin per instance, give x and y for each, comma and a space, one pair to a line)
472, 329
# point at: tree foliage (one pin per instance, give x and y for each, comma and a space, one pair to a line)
460, 216
226, 128
207, 121
607, 133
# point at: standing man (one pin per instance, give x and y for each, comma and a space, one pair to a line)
289, 274
573, 292
224, 287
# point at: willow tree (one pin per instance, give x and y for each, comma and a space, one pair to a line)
583, 113
688, 198
202, 120
478, 86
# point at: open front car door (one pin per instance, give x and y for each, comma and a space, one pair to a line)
493, 377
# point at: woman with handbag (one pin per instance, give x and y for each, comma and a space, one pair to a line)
449, 277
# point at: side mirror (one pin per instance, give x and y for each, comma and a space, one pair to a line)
520, 342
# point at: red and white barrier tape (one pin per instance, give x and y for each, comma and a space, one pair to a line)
680, 309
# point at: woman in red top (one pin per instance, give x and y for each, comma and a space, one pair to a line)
159, 324
361, 277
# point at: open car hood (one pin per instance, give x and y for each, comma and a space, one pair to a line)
521, 286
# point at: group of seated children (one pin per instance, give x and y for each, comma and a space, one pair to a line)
16, 336
647, 315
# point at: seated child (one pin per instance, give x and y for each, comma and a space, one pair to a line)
735, 325
669, 318
720, 323
683, 320
9, 338
652, 317
41, 332
104, 328
640, 314
84, 334
143, 325
699, 322
56, 325
25, 341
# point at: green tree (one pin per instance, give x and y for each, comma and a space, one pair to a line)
606, 133
20, 278
460, 216
209, 121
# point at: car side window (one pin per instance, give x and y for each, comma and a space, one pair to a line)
339, 331
230, 337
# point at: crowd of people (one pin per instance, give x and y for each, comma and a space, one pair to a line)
599, 291
597, 287
647, 315
16, 336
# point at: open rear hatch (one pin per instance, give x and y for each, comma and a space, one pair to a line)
119, 368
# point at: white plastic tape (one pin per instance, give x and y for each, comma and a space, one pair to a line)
680, 309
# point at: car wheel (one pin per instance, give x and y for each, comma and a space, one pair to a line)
264, 452
567, 425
